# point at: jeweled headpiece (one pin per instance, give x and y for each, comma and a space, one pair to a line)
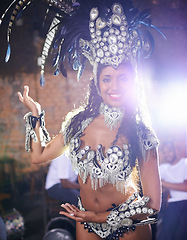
111, 39
105, 32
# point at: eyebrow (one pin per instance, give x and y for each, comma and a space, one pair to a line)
106, 75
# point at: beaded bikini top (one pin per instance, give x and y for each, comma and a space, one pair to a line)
111, 167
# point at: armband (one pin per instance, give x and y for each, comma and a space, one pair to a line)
30, 132
120, 216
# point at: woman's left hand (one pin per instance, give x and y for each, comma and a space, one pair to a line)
83, 216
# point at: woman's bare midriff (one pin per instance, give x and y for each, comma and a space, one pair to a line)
101, 200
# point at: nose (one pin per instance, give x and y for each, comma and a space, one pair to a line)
114, 85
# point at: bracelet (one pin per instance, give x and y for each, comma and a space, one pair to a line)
30, 132
120, 215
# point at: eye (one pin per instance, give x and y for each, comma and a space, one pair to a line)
124, 78
106, 80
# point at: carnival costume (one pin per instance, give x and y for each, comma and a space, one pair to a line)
106, 33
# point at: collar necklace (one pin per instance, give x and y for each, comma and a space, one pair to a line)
112, 115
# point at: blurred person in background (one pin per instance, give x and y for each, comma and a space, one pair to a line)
172, 217
61, 181
3, 233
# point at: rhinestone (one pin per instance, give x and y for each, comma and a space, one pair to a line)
99, 39
132, 197
79, 155
120, 45
92, 30
118, 219
115, 149
146, 199
123, 39
82, 151
95, 41
112, 39
117, 32
107, 54
98, 32
117, 8
97, 59
120, 51
119, 153
94, 13
86, 148
123, 207
91, 155
111, 30
122, 28
142, 203
100, 53
126, 222
102, 44
106, 34
104, 39
131, 206
102, 61
97, 45
116, 20
127, 214
109, 151
125, 146
124, 33
132, 212
105, 48
120, 162
122, 215
113, 158
100, 24
144, 210
113, 48
106, 160
150, 211
93, 35
138, 210
91, 24
136, 204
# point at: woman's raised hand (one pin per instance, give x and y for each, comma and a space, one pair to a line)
34, 107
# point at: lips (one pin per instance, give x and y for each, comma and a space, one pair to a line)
115, 96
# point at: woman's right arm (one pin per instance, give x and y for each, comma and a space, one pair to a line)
52, 149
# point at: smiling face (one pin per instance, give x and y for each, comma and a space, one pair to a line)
117, 85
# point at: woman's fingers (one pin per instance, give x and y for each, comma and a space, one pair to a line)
72, 216
70, 208
71, 212
20, 96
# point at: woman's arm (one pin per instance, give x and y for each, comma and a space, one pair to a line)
150, 179
54, 148
67, 184
176, 186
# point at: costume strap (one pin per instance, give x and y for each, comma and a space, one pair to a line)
147, 141
30, 132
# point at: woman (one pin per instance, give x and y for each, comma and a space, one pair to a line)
108, 139
117, 91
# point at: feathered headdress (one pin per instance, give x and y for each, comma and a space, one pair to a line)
102, 31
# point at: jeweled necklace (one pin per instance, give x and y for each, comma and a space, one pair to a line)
112, 115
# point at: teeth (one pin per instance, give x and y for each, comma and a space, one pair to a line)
115, 95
